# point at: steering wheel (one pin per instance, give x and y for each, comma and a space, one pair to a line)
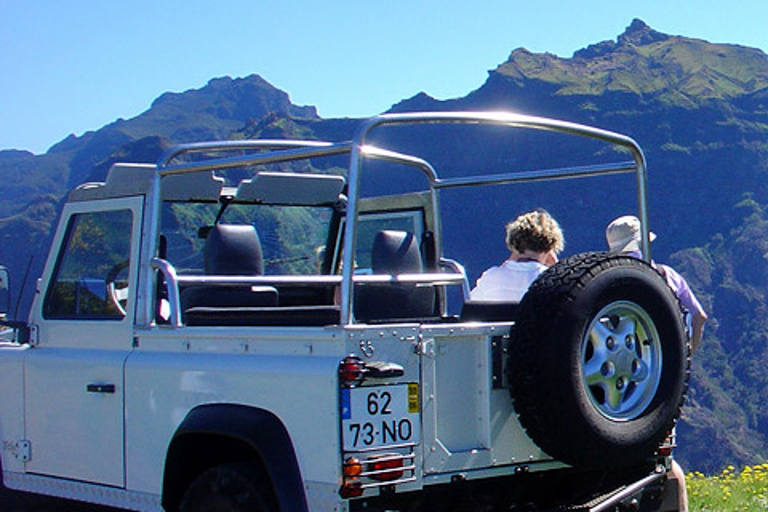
117, 285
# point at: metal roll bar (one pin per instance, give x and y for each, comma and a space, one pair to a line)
361, 150
274, 151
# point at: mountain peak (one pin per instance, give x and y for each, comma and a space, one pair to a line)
235, 99
638, 34
647, 64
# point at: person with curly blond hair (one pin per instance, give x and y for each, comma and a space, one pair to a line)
534, 240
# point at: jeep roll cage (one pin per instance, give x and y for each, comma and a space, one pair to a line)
261, 152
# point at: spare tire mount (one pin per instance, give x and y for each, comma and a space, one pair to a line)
599, 360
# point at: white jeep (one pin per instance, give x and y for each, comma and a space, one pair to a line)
252, 325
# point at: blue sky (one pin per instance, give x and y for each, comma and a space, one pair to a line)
75, 65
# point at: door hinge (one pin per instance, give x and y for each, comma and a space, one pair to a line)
22, 450
34, 335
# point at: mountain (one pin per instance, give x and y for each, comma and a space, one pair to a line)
674, 71
699, 110
214, 111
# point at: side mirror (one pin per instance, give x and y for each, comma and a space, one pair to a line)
5, 292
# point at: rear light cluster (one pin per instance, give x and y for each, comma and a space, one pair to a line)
668, 445
375, 471
374, 468
352, 371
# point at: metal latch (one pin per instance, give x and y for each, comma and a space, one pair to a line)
499, 354
384, 369
425, 347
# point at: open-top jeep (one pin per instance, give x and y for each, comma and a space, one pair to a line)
257, 325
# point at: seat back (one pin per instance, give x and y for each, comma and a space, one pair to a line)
395, 252
233, 250
230, 250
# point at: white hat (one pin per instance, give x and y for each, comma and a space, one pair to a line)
623, 234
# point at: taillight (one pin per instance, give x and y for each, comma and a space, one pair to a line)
668, 445
358, 475
351, 489
386, 468
351, 371
352, 467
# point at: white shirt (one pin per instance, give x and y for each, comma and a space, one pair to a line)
508, 282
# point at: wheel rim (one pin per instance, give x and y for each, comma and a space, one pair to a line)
621, 361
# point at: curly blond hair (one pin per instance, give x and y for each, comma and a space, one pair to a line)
536, 231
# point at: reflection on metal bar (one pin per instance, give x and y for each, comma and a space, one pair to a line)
425, 278
235, 145
497, 118
393, 156
172, 285
285, 155
538, 175
457, 268
615, 500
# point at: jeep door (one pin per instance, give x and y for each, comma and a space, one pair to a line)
83, 317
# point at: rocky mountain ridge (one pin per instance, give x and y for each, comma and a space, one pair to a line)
654, 66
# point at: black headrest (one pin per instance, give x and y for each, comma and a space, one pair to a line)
234, 250
395, 252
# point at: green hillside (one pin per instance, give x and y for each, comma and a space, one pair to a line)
674, 71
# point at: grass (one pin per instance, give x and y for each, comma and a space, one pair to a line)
730, 491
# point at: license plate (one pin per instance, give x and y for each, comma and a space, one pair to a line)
380, 416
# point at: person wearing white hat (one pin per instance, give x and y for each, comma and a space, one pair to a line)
623, 236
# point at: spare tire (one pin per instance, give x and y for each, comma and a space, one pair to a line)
599, 360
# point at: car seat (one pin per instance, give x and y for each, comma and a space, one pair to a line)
230, 250
394, 252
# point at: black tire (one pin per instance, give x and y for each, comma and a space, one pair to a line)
237, 487
599, 360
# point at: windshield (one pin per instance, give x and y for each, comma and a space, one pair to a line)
293, 238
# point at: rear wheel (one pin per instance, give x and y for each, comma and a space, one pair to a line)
237, 487
599, 360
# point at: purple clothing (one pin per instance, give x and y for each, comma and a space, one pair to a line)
678, 284
507, 282
681, 289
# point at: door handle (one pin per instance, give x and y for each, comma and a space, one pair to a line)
100, 388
